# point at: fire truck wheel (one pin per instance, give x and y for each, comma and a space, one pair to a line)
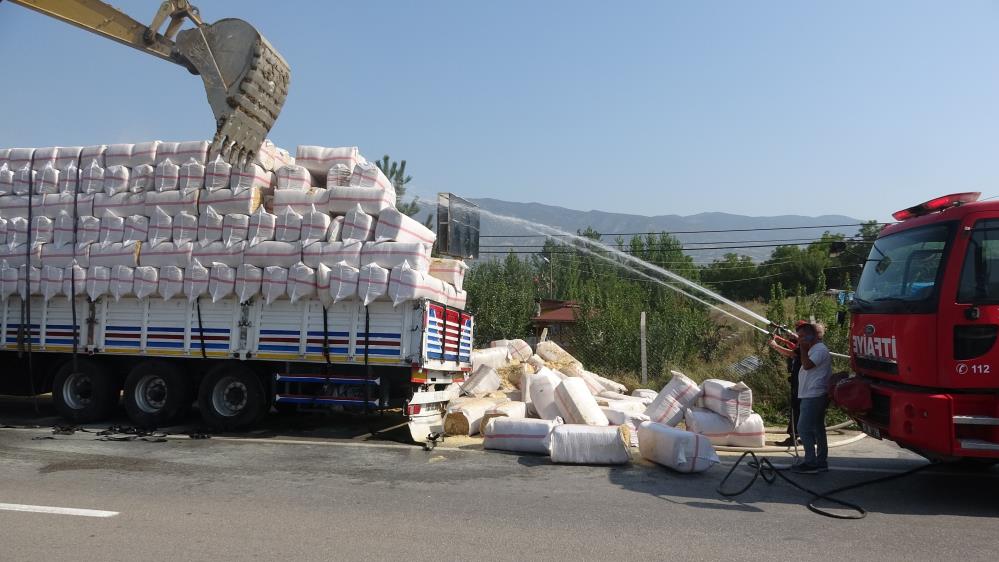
231, 397
156, 394
87, 394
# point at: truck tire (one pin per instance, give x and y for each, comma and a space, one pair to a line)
86, 395
231, 397
156, 394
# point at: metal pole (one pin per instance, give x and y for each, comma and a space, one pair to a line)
645, 360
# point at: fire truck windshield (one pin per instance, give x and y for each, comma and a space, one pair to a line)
902, 271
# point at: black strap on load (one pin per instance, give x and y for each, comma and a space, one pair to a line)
26, 301
367, 364
326, 336
72, 272
201, 328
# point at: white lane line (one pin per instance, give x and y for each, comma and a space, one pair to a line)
56, 510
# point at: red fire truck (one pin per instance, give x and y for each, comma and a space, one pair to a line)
924, 328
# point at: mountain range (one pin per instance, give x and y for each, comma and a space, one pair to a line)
499, 235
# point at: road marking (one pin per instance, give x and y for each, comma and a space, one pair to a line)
56, 510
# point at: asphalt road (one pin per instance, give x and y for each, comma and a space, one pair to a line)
308, 493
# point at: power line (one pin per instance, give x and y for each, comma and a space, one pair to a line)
673, 244
682, 231
570, 251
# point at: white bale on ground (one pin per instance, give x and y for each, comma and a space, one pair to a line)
483, 381
627, 418
715, 427
626, 406
550, 351
393, 254
395, 226
519, 350
541, 389
249, 279
449, 270
171, 282
330, 253
536, 361
282, 254
466, 418
372, 283
98, 281
750, 433
578, 444
495, 357
730, 399
525, 393
610, 395
519, 435
671, 402
576, 405
592, 384
343, 281
195, 280
514, 409
274, 284
610, 385
177, 254
680, 450
645, 393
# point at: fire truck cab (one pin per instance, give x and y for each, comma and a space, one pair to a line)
925, 319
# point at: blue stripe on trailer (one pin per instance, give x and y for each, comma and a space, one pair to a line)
281, 332
333, 350
336, 334
168, 329
124, 328
384, 352
271, 347
384, 335
332, 379
122, 343
170, 344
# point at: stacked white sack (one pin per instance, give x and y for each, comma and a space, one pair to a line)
578, 444
397, 227
393, 254
679, 394
319, 159
372, 283
732, 400
520, 435
343, 280
680, 450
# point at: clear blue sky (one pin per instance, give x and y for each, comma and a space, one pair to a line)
758, 108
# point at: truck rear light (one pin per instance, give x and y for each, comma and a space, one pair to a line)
413, 409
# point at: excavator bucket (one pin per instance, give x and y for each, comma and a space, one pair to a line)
246, 81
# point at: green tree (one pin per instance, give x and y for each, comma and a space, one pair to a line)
396, 173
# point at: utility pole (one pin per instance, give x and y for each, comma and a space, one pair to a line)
645, 362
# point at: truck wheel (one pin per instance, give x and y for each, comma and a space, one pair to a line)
231, 397
156, 393
87, 394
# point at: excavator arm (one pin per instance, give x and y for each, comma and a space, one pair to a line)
245, 79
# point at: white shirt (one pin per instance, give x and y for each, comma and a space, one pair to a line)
813, 383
